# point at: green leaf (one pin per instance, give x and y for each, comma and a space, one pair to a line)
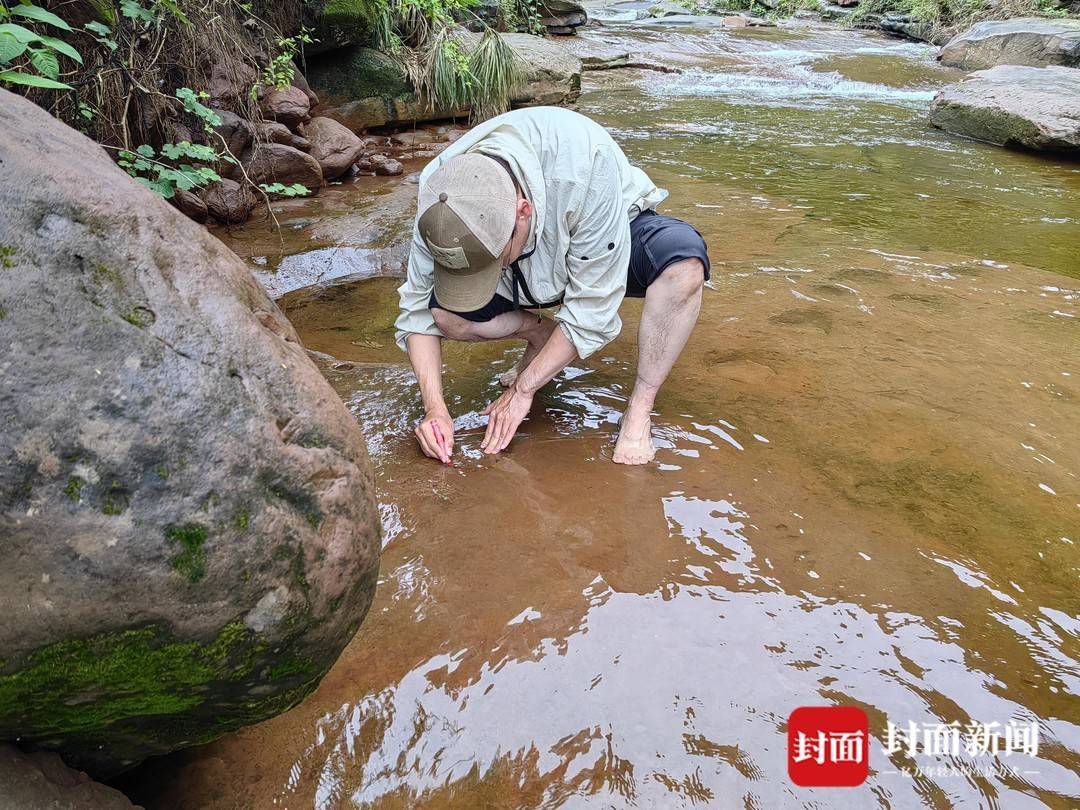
145, 149
175, 9
20, 33
41, 15
10, 48
101, 29
62, 47
45, 62
30, 80
134, 11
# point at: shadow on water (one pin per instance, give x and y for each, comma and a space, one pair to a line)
866, 491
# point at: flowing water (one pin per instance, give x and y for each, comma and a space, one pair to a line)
866, 491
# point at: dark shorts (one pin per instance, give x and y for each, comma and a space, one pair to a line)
656, 241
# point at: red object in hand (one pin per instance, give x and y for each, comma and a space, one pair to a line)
442, 442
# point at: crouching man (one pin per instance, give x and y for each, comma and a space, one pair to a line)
540, 208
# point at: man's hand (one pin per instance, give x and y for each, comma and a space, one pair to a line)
436, 435
504, 416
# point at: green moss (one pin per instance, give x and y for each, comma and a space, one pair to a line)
74, 488
3, 312
162, 472
313, 519
139, 316
116, 500
191, 562
242, 519
6, 252
78, 686
292, 665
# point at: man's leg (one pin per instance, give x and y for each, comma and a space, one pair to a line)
672, 303
508, 325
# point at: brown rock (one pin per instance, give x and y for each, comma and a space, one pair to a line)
235, 132
198, 495
229, 82
290, 106
411, 138
300, 142
229, 202
299, 81
333, 146
190, 205
273, 132
389, 168
278, 163
41, 781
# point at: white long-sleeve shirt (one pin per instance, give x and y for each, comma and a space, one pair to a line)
583, 191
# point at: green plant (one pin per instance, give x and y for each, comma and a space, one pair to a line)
279, 72
31, 58
163, 171
295, 190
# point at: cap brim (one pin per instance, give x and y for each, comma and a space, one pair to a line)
460, 292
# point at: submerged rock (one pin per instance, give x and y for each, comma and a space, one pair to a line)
1034, 41
1012, 105
189, 530
41, 781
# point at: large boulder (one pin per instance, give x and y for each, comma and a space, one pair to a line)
228, 201
1034, 41
190, 535
333, 145
363, 88
290, 106
41, 781
280, 163
1010, 105
561, 16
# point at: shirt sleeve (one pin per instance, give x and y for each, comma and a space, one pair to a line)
597, 261
415, 294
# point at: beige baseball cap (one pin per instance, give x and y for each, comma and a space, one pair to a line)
469, 204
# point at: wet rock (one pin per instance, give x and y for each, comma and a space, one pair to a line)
1011, 105
190, 205
41, 781
561, 17
333, 146
1034, 41
273, 132
363, 88
278, 163
236, 132
172, 466
902, 25
229, 202
412, 138
289, 106
552, 73
389, 168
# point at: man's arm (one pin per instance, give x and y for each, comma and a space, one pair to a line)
508, 411
418, 335
436, 432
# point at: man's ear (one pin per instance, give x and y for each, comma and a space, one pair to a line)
524, 208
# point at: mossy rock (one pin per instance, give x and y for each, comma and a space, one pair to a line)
190, 535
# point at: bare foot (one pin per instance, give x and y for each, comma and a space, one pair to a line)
634, 446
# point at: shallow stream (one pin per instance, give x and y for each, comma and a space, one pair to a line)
866, 491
